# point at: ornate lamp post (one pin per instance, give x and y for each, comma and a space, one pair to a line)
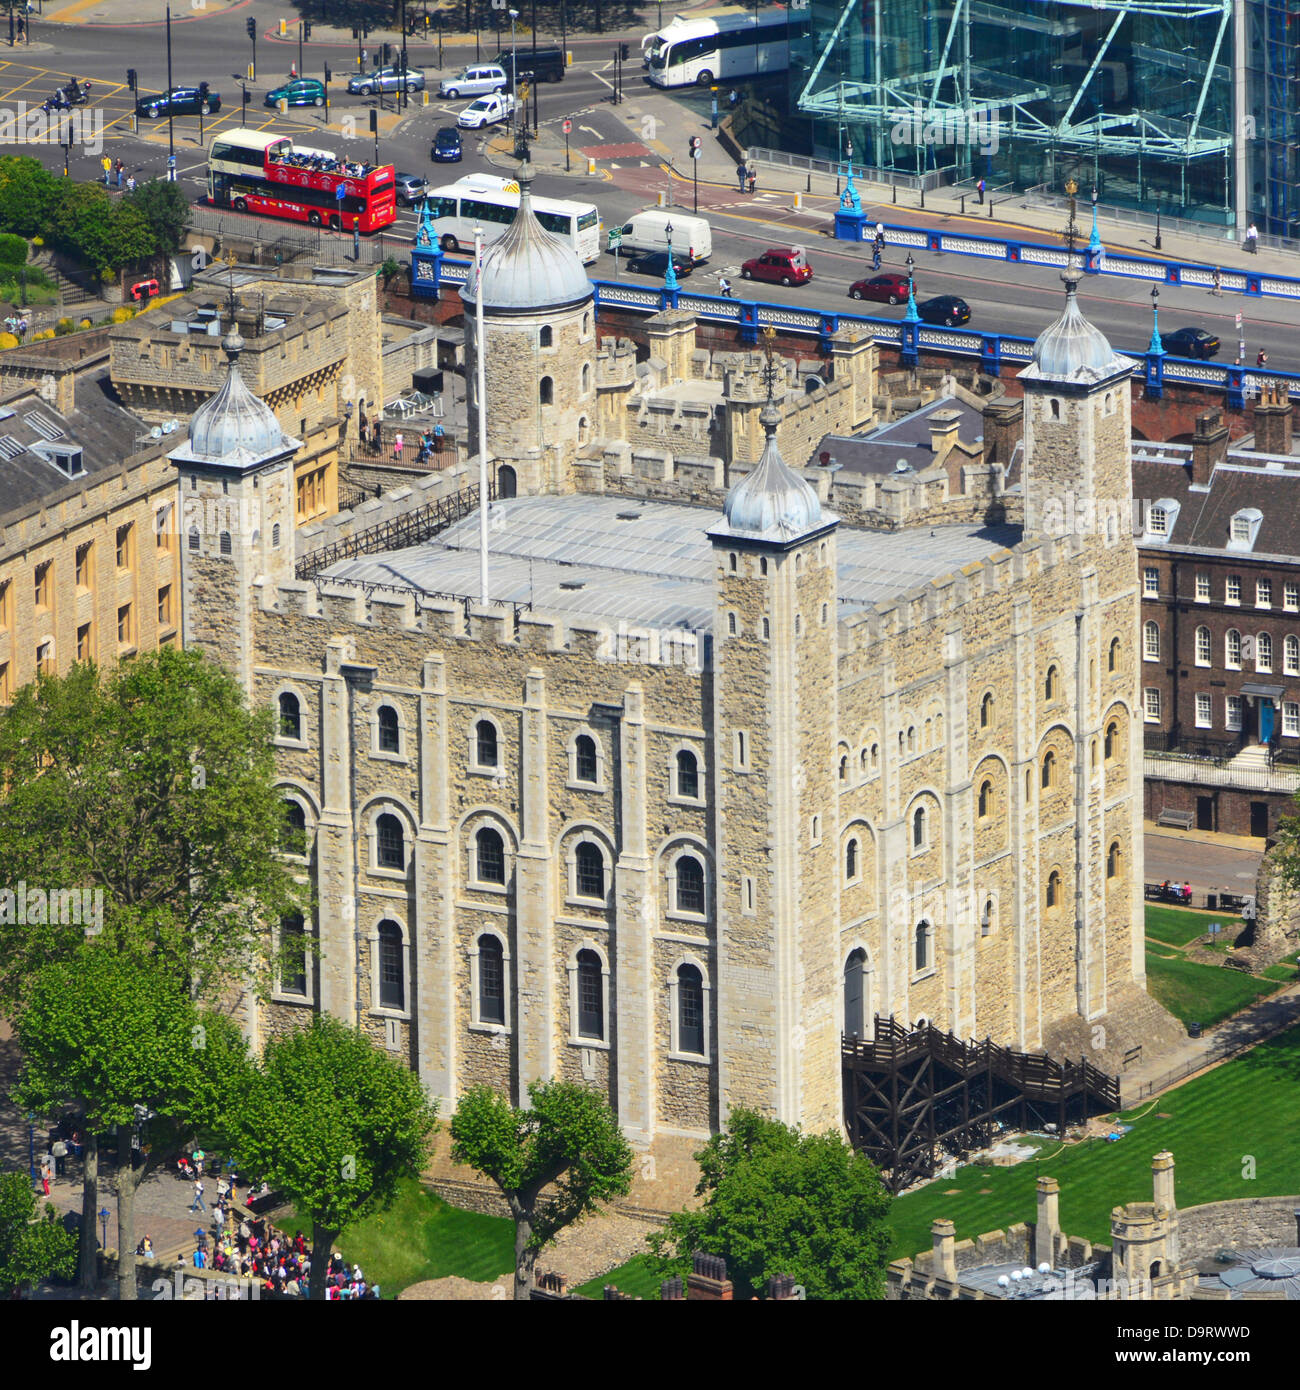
670, 274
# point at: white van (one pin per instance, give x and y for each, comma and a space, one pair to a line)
648, 231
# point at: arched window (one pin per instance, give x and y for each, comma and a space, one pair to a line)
733, 561
854, 1011
986, 799
490, 854
767, 631
1112, 740
392, 985
590, 863
875, 756
1049, 768
731, 624
911, 739
851, 860
591, 996
546, 390
585, 763
918, 828
390, 843
986, 918
544, 336
690, 1010
844, 768
862, 763
390, 735
295, 827
491, 980
485, 736
1151, 641
816, 830
1053, 889
986, 711
688, 775
225, 542
762, 564
1232, 648
293, 954
1112, 860
586, 378
1056, 409
690, 884
1051, 684
922, 943
586, 324
1291, 656
1112, 655
194, 537
290, 716
1203, 646
275, 536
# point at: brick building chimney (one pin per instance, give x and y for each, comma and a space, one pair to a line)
1273, 420
1209, 446
708, 1282
1004, 428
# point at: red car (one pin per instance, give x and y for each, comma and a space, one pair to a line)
780, 266
885, 289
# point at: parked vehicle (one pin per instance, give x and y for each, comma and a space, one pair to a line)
487, 110
446, 148
180, 101
782, 265
883, 289
535, 64
391, 79
947, 309
411, 188
1190, 342
144, 289
656, 263
302, 91
479, 80
648, 231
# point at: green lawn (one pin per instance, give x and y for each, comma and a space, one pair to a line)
421, 1237
1175, 926
1196, 993
635, 1278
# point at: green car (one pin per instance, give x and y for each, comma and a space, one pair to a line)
302, 91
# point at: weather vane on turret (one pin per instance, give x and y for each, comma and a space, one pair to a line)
770, 371
230, 266
1072, 273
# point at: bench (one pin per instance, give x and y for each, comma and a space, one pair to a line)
1231, 902
1158, 893
1134, 1054
1179, 820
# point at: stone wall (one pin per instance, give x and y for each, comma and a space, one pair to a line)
1252, 1221
1277, 924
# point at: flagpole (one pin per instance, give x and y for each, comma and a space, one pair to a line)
480, 342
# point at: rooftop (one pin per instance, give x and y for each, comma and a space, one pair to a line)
878, 452
649, 563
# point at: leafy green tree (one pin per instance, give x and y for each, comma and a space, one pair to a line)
333, 1123
155, 783
166, 210
554, 1163
778, 1201
32, 1248
119, 1039
104, 232
29, 195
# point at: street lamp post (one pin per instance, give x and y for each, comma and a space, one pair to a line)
243, 109
670, 274
404, 99
1155, 345
514, 71
171, 142
103, 1222
911, 266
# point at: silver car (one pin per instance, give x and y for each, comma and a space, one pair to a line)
390, 79
482, 79
411, 188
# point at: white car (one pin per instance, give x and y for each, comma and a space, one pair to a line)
486, 111
476, 81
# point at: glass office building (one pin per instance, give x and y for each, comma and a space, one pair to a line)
1186, 105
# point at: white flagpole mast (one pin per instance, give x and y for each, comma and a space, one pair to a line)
480, 341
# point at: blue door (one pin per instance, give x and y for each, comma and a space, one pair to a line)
1266, 721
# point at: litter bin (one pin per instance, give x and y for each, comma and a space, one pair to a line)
1193, 1030
1211, 902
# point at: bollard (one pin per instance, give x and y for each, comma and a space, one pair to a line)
283, 104
284, 27
895, 193
591, 165
963, 205
798, 201
250, 72
990, 207
808, 185
922, 197
663, 199
425, 95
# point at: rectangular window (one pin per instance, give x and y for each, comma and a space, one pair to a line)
1291, 655
1150, 582
293, 957
125, 627
1153, 705
391, 991
491, 983
86, 642
1291, 597
1232, 592
125, 546
1202, 586
1233, 720
1291, 718
1204, 712
45, 584
5, 591
165, 606
45, 659
163, 532
1203, 655
1263, 593
1151, 643
4, 681
86, 565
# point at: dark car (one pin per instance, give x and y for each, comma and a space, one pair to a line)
1190, 342
180, 101
884, 289
302, 91
656, 263
946, 309
535, 64
446, 146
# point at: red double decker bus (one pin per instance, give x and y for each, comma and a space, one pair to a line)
252, 171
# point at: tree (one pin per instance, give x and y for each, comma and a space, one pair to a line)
119, 1038
333, 1123
569, 1142
166, 210
29, 195
32, 1248
154, 783
105, 233
778, 1201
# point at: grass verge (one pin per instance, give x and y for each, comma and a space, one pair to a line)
1175, 926
1204, 994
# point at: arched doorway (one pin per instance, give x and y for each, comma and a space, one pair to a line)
857, 995
506, 481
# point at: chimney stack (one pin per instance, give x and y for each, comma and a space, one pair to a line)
1047, 1228
944, 425
944, 1235
1273, 419
708, 1282
1004, 428
1209, 446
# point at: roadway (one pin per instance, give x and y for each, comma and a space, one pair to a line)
1003, 296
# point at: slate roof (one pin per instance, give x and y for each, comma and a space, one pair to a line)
878, 451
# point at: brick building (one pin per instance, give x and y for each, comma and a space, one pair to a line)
716, 776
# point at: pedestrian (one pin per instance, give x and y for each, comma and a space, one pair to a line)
875, 256
979, 188
1187, 893
1262, 359
1217, 278
198, 1204
733, 98
21, 26
753, 178
363, 57
60, 1153
397, 446
107, 165
1252, 239
724, 287
130, 183
45, 1177
121, 169
23, 326
200, 1259
741, 171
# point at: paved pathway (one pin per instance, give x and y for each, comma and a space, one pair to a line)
1208, 863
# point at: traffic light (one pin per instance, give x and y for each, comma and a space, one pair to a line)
426, 20
356, 33
327, 74
388, 54
624, 51
130, 78
306, 30
695, 145
251, 25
